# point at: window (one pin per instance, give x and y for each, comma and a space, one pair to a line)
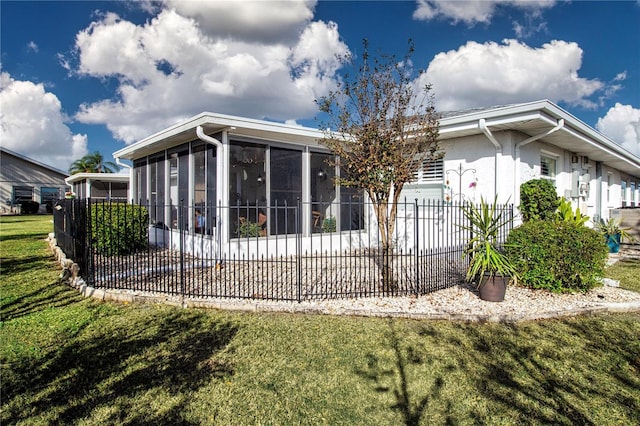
49, 195
286, 189
140, 167
323, 193
609, 183
623, 189
118, 190
247, 187
157, 189
632, 198
547, 167
22, 193
431, 170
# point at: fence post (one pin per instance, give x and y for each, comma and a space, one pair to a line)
417, 246
181, 225
299, 250
89, 244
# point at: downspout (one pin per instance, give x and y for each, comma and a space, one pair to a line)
219, 158
221, 228
516, 187
482, 125
131, 177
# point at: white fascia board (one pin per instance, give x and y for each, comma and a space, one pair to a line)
110, 177
221, 121
467, 123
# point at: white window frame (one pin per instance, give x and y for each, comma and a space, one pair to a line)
552, 173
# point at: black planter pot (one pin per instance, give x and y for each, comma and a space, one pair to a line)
493, 289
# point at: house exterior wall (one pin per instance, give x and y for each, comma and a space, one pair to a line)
474, 168
16, 171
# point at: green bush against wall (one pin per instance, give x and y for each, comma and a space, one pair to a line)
559, 256
119, 228
538, 200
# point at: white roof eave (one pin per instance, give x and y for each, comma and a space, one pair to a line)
546, 113
217, 122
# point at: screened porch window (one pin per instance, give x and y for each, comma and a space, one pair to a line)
247, 190
286, 190
324, 203
157, 188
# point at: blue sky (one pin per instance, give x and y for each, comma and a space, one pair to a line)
77, 76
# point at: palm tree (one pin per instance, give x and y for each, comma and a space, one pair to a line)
92, 163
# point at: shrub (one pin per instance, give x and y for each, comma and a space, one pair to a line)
29, 207
538, 200
557, 256
119, 228
565, 213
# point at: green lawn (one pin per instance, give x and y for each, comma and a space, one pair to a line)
70, 360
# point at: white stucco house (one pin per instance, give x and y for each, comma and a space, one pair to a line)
215, 173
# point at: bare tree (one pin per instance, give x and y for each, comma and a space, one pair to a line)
385, 128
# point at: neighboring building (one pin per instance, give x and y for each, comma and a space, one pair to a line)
215, 163
100, 186
25, 179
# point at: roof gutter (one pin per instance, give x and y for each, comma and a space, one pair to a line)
206, 138
130, 188
516, 190
482, 125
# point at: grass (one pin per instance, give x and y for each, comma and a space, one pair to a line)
627, 271
70, 360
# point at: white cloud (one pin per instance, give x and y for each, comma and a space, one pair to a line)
169, 69
32, 123
32, 46
252, 21
474, 11
622, 125
478, 75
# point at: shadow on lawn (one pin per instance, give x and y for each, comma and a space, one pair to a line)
35, 235
16, 265
143, 374
412, 407
533, 382
55, 295
567, 372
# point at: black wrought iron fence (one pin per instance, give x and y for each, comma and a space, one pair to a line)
278, 252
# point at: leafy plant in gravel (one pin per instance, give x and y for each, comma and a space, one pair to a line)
538, 200
119, 228
558, 256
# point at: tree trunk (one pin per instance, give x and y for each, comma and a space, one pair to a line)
386, 226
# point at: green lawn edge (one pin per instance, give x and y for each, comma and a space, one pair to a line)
72, 360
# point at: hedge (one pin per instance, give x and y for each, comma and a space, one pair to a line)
557, 256
119, 228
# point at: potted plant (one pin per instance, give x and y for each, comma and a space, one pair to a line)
613, 233
329, 224
248, 229
489, 267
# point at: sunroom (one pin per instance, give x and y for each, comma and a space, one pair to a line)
221, 180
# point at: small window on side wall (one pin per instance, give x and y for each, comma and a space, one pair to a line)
547, 167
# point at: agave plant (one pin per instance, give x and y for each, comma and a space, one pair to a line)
612, 227
484, 250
